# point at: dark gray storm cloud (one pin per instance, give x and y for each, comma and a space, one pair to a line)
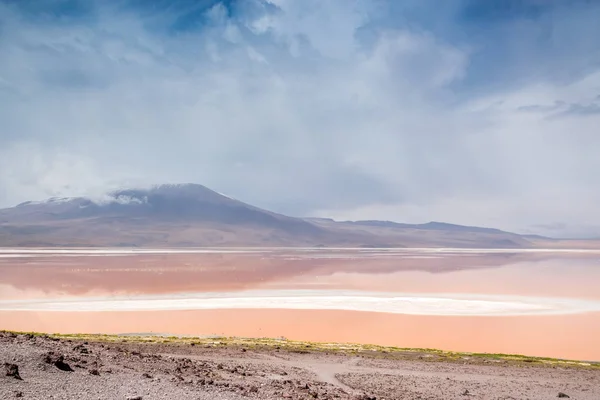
399, 110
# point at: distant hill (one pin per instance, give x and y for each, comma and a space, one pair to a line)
192, 215
437, 226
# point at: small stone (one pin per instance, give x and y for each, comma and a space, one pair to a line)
134, 398
94, 372
365, 397
12, 370
18, 394
563, 395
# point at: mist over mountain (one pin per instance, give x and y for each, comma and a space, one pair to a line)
194, 215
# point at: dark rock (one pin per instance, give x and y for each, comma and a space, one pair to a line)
58, 361
50, 357
81, 349
12, 370
563, 395
135, 398
466, 393
18, 394
147, 375
94, 372
63, 366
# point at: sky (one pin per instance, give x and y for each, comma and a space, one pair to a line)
464, 111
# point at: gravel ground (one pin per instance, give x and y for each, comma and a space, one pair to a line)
42, 367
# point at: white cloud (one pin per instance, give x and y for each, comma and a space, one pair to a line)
308, 109
30, 171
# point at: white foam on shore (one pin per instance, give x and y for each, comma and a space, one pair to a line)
410, 304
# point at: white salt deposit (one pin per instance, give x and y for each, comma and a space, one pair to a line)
348, 253
411, 304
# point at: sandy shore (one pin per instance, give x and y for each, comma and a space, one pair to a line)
41, 367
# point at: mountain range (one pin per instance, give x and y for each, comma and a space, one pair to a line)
191, 215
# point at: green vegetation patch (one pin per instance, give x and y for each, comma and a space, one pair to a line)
365, 350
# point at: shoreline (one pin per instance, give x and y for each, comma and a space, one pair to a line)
492, 334
293, 345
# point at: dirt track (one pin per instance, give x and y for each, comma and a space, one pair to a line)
130, 370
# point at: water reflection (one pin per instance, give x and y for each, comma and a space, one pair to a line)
536, 274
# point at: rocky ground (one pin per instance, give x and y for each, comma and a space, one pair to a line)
44, 367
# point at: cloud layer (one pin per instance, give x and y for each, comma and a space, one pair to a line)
400, 110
